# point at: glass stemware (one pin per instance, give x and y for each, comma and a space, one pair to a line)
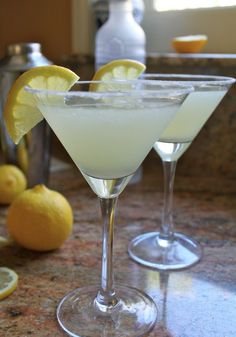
101, 132
167, 249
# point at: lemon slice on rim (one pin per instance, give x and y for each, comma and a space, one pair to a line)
8, 282
20, 111
123, 69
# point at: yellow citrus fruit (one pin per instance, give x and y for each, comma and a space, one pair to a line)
12, 183
40, 219
189, 43
20, 112
22, 154
123, 69
8, 282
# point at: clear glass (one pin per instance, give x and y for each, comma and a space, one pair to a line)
101, 132
167, 249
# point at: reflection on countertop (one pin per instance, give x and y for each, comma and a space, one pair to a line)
198, 302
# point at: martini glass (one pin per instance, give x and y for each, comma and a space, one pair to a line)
101, 132
167, 249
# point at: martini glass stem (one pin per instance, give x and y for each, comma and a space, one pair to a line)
106, 298
166, 233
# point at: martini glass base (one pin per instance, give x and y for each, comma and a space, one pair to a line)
134, 315
149, 250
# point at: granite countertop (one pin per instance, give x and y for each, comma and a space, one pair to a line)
197, 302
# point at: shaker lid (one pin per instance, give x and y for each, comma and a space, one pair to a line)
20, 57
23, 48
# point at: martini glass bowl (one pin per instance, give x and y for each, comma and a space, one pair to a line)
167, 249
101, 132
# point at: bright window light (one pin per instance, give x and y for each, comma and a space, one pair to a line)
168, 5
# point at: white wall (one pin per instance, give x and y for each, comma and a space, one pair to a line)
219, 24
83, 27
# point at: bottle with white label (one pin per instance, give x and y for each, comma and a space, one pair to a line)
120, 36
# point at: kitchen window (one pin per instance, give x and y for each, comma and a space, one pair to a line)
168, 5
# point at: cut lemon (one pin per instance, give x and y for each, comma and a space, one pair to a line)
117, 70
8, 282
189, 43
20, 111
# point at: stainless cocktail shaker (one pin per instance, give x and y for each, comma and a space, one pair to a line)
32, 154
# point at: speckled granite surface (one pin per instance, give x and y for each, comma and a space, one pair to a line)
198, 302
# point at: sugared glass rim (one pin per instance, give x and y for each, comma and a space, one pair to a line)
200, 80
170, 89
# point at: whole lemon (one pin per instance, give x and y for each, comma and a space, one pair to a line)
12, 183
40, 219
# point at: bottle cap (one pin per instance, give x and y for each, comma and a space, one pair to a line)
123, 5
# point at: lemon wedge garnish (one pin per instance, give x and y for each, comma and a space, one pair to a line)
8, 282
123, 69
189, 43
20, 112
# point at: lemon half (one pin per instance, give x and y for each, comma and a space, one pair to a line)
189, 43
20, 112
8, 282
